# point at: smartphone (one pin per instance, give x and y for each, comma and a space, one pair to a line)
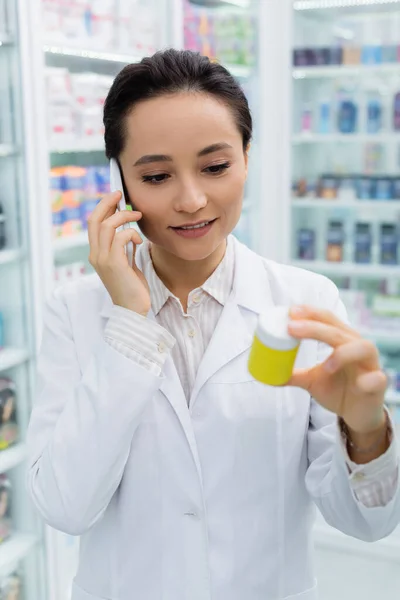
116, 185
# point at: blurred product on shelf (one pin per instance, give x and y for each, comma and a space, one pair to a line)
350, 110
335, 242
5, 508
11, 587
74, 193
363, 243
2, 335
3, 237
355, 41
70, 272
389, 244
119, 25
8, 409
373, 311
75, 105
348, 187
228, 36
306, 244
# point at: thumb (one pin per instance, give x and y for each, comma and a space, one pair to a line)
302, 378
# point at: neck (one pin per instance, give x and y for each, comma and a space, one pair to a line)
182, 276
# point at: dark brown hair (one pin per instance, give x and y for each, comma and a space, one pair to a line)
165, 73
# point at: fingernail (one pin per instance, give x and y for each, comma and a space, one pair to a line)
297, 311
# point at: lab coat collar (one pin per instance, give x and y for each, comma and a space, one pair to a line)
251, 289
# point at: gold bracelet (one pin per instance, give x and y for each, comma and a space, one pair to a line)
345, 430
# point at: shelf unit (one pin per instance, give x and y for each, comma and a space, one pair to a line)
369, 271
89, 54
71, 242
335, 71
12, 457
324, 204
14, 550
9, 256
13, 357
341, 138
7, 150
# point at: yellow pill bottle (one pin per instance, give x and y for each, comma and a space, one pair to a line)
274, 351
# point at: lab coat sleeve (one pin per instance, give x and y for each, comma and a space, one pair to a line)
82, 424
328, 478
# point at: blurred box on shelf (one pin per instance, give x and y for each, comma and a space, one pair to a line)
5, 508
111, 25
230, 36
11, 587
71, 272
9, 431
74, 193
347, 187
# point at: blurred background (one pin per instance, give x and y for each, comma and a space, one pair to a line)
323, 81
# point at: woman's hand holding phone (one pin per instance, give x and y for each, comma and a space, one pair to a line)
126, 285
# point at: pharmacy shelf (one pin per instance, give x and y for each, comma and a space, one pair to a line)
324, 204
392, 397
345, 71
239, 71
330, 538
92, 54
12, 457
5, 40
12, 357
71, 242
7, 150
10, 256
15, 549
349, 269
303, 5
383, 337
77, 146
342, 138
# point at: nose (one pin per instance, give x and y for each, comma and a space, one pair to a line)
190, 198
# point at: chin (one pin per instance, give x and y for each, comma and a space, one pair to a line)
191, 250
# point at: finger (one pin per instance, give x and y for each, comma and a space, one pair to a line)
312, 313
374, 382
109, 226
314, 330
359, 351
105, 208
302, 378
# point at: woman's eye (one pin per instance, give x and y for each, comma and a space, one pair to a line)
155, 179
217, 169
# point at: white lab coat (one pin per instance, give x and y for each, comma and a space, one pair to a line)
211, 502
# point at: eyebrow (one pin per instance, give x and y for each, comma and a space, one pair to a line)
150, 158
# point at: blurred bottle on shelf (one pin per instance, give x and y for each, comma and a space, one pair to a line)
363, 243
3, 235
306, 241
335, 241
388, 244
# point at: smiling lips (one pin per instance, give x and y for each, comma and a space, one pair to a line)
195, 230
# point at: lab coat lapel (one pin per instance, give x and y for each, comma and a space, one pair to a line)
171, 385
233, 335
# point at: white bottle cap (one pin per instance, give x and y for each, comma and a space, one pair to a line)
272, 329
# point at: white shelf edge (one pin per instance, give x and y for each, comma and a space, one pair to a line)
300, 5
76, 146
350, 269
7, 150
10, 256
386, 549
63, 49
392, 397
71, 242
238, 70
351, 138
329, 204
12, 357
15, 549
12, 457
5, 39
300, 73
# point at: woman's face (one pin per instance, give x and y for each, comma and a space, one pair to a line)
183, 164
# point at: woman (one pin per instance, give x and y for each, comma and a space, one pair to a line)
186, 478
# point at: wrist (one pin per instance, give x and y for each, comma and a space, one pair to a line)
368, 439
